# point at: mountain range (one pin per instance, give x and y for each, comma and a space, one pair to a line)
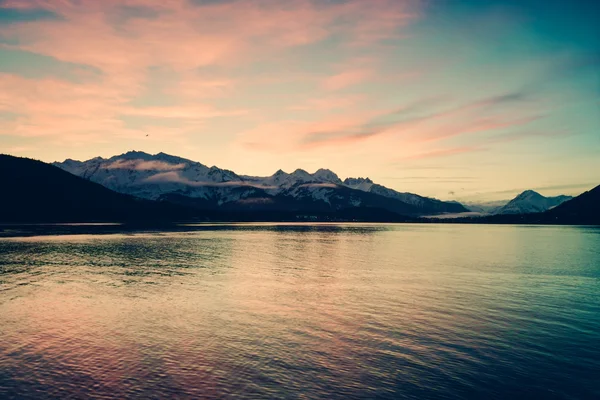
528, 201
181, 181
34, 191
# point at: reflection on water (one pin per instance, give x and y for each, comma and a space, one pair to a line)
303, 311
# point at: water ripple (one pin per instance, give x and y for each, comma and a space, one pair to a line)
301, 311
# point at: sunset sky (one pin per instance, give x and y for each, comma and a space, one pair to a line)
465, 100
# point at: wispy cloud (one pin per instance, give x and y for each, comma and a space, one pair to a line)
521, 134
351, 135
369, 127
438, 124
346, 78
176, 177
417, 126
445, 152
143, 165
480, 125
224, 31
567, 186
123, 41
328, 103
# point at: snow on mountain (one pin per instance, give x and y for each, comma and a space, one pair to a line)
325, 175
436, 206
282, 180
163, 176
531, 202
314, 191
150, 176
363, 184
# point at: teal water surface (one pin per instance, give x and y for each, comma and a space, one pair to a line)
303, 311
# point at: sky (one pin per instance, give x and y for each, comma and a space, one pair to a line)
469, 100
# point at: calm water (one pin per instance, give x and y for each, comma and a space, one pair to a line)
323, 311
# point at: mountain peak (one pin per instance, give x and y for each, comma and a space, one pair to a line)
324, 170
172, 159
133, 154
327, 175
300, 171
531, 201
364, 184
140, 155
357, 181
529, 193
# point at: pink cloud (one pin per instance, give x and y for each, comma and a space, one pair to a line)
408, 126
229, 35
199, 36
445, 152
329, 103
347, 78
192, 88
289, 136
469, 126
90, 112
192, 112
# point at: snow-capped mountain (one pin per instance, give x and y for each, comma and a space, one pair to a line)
363, 184
280, 180
175, 179
531, 202
436, 206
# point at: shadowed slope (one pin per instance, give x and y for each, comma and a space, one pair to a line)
36, 191
583, 209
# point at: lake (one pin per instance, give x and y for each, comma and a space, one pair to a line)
349, 311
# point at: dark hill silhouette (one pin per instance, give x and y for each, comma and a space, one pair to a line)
583, 209
33, 191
